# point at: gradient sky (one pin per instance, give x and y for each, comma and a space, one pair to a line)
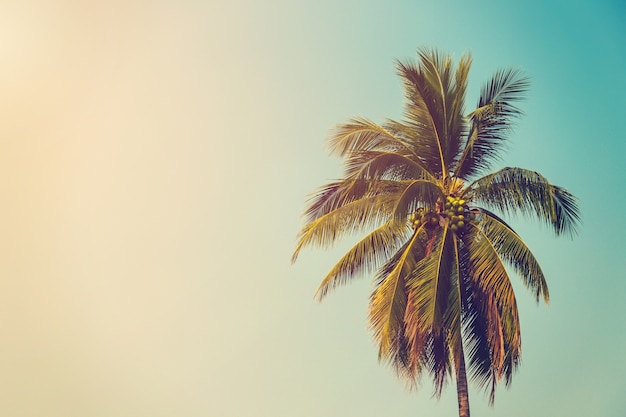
156, 157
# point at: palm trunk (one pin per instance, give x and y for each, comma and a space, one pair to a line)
461, 386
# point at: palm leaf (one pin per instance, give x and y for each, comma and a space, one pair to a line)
567, 214
361, 134
423, 116
453, 315
337, 194
517, 190
491, 322
489, 282
353, 216
365, 256
417, 136
436, 72
388, 301
457, 122
429, 281
432, 313
483, 328
512, 248
434, 110
384, 165
438, 363
417, 193
491, 122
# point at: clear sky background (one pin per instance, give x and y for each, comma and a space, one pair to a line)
155, 159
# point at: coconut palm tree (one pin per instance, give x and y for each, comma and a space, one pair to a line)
442, 302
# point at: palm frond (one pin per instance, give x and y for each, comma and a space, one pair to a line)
489, 283
337, 194
453, 315
487, 267
491, 122
384, 165
434, 110
505, 87
423, 114
433, 307
439, 364
512, 249
567, 213
365, 256
457, 122
486, 347
417, 193
388, 301
460, 79
416, 135
436, 70
517, 190
361, 134
353, 216
430, 283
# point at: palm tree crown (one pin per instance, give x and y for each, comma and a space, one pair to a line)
442, 302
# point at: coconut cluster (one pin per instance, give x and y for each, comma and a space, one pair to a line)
457, 213
423, 216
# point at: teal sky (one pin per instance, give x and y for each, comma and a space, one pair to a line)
156, 158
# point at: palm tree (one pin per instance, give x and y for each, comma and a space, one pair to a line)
442, 302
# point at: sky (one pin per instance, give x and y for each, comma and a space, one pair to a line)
155, 160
